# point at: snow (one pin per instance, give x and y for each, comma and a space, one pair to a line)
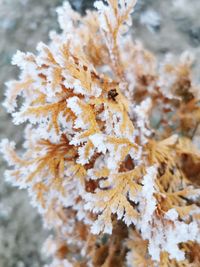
5, 147
171, 214
99, 142
151, 19
72, 103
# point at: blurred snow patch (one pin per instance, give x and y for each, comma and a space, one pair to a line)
151, 19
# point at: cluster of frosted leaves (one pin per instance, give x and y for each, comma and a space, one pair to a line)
91, 160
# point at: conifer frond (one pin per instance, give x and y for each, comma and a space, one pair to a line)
109, 157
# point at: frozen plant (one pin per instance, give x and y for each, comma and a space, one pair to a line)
109, 158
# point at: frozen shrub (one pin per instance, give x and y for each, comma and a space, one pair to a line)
109, 159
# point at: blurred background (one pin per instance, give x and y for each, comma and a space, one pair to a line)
162, 25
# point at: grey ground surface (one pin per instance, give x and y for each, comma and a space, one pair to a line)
162, 25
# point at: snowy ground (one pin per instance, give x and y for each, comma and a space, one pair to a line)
162, 25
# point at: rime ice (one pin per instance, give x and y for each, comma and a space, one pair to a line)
100, 175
